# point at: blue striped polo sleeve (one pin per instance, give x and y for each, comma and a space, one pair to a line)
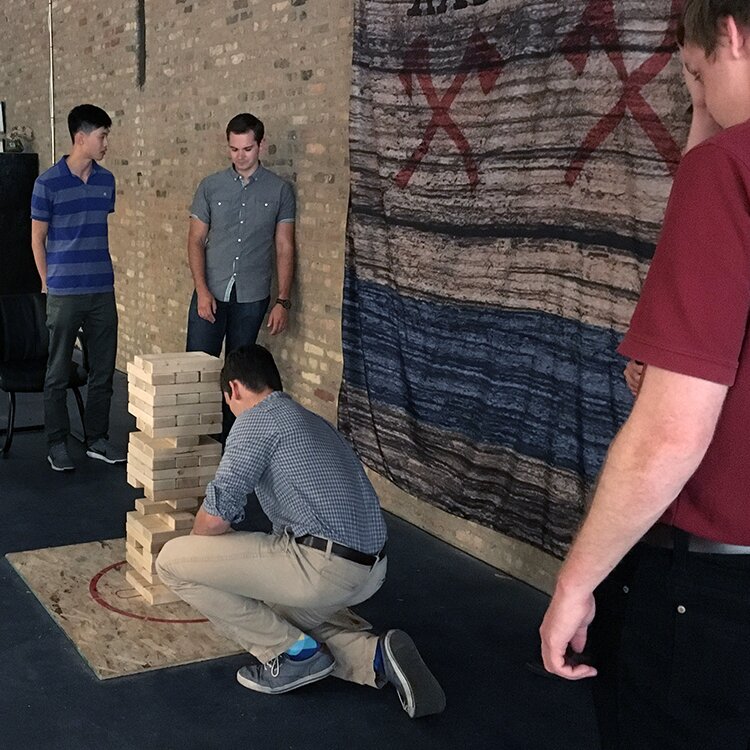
41, 202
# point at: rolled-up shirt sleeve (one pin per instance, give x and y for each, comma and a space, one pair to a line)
246, 458
287, 205
200, 207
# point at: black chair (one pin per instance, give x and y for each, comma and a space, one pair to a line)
23, 355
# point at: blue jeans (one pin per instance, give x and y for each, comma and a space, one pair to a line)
236, 322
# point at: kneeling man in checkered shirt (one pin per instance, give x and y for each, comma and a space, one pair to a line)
284, 596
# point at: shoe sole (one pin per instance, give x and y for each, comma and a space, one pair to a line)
59, 468
306, 680
102, 457
422, 694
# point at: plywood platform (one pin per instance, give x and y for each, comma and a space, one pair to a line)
84, 589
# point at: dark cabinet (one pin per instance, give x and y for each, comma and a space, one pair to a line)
17, 270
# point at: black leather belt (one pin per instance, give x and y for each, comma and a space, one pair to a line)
340, 550
663, 535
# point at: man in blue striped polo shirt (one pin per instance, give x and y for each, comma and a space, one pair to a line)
70, 206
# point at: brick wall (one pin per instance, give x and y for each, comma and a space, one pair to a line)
287, 62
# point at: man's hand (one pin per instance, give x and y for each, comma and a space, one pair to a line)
566, 625
633, 373
207, 525
207, 306
278, 319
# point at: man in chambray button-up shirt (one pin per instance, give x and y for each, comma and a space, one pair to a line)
285, 596
240, 218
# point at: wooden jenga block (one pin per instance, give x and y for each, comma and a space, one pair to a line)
149, 530
148, 391
193, 445
154, 423
211, 397
177, 410
157, 464
194, 493
210, 377
186, 419
188, 398
181, 521
146, 472
152, 593
151, 399
188, 430
185, 441
167, 378
183, 462
147, 507
150, 577
185, 482
177, 362
144, 562
187, 377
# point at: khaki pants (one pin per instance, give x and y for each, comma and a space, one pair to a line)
263, 591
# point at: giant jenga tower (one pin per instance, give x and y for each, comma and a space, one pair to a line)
176, 401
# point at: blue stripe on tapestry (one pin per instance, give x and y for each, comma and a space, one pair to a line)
542, 385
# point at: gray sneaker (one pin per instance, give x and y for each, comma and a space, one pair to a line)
58, 457
417, 688
282, 674
102, 450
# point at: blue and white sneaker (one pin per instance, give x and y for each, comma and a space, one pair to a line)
282, 674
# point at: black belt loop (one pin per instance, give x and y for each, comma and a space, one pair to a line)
681, 541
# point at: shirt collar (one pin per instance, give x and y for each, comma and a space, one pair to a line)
65, 169
253, 177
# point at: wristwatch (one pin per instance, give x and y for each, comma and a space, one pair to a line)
285, 303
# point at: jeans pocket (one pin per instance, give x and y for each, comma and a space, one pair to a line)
710, 664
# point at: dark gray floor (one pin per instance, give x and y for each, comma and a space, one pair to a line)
474, 627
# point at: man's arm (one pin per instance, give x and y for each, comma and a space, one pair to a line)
284, 240
197, 234
207, 525
654, 454
39, 231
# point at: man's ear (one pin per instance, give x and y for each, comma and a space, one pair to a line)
234, 388
737, 36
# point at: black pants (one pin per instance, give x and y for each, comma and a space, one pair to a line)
96, 316
671, 641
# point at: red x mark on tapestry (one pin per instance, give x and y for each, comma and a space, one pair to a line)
599, 22
479, 56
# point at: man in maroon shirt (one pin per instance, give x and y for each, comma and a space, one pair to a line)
663, 558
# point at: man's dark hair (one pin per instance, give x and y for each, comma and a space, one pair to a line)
246, 123
87, 117
254, 367
700, 21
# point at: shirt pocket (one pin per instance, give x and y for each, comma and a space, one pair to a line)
265, 211
224, 211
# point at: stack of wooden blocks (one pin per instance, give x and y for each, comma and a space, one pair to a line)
176, 400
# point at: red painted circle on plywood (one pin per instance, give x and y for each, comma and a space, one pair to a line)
101, 601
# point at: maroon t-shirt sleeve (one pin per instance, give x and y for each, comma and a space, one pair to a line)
693, 310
